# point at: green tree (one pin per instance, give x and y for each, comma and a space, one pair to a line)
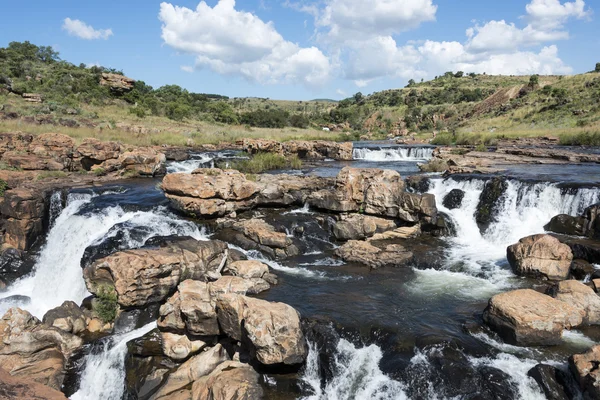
459, 74
411, 83
534, 81
597, 67
358, 98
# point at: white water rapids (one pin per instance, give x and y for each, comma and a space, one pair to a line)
383, 154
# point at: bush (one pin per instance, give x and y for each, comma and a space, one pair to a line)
105, 305
138, 112
580, 139
3, 187
262, 162
435, 165
51, 174
444, 139
597, 67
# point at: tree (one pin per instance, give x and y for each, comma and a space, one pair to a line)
459, 74
411, 83
597, 67
358, 98
534, 81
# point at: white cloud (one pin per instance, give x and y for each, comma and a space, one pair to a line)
341, 92
187, 68
235, 42
551, 14
80, 29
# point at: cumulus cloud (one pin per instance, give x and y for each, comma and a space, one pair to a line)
235, 42
80, 29
187, 68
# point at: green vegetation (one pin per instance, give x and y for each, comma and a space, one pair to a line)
435, 165
50, 174
3, 187
105, 304
580, 139
262, 162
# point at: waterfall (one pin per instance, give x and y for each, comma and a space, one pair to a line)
104, 373
203, 160
57, 275
357, 375
56, 206
382, 154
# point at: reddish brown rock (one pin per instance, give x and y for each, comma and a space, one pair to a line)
541, 256
12, 387
585, 369
393, 255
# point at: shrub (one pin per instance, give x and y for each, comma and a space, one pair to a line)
51, 174
262, 162
138, 112
580, 139
105, 305
481, 148
597, 67
534, 81
435, 165
444, 139
3, 187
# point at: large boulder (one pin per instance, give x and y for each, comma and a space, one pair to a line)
93, 152
555, 383
32, 350
272, 331
145, 276
540, 256
67, 317
587, 224
180, 347
529, 318
392, 255
231, 380
144, 162
192, 370
247, 269
23, 211
454, 199
306, 149
117, 83
585, 369
358, 226
581, 297
12, 387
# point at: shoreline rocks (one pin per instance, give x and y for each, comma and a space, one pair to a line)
392, 255
305, 149
540, 256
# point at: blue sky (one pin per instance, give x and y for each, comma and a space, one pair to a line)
305, 49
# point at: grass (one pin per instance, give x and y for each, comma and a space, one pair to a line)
3, 187
435, 165
580, 139
50, 174
105, 305
262, 162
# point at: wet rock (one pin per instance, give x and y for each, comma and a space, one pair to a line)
581, 269
12, 387
454, 199
272, 331
581, 297
235, 284
566, 225
192, 370
305, 149
231, 380
67, 317
23, 211
528, 318
34, 351
13, 265
357, 226
144, 162
583, 248
554, 383
393, 255
540, 256
418, 183
585, 368
403, 232
176, 154
247, 269
145, 276
489, 203
259, 235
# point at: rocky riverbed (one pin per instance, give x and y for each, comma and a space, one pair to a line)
356, 277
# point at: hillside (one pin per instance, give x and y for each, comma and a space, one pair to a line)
37, 89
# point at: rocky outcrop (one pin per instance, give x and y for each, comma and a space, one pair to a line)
272, 331
12, 387
216, 193
313, 149
489, 202
256, 234
454, 199
117, 83
540, 256
528, 318
391, 255
140, 162
248, 269
180, 347
146, 276
581, 297
34, 351
359, 226
23, 211
67, 317
230, 380
93, 152
375, 192
586, 371
588, 224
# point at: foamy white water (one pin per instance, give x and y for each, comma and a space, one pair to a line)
392, 154
357, 375
57, 275
188, 166
104, 373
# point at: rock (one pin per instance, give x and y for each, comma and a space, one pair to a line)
34, 351
256, 234
272, 331
248, 269
566, 225
357, 226
553, 382
540, 256
418, 183
585, 369
68, 317
235, 284
192, 370
13, 264
117, 83
145, 276
581, 297
231, 380
393, 255
12, 387
23, 211
93, 152
583, 248
180, 347
53, 145
454, 199
581, 269
313, 149
489, 202
404, 232
190, 309
144, 162
528, 318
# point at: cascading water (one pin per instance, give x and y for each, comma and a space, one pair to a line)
57, 275
104, 373
382, 154
188, 166
56, 206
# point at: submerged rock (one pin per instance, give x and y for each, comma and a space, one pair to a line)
31, 350
272, 331
528, 318
586, 371
393, 255
489, 203
454, 199
540, 256
231, 380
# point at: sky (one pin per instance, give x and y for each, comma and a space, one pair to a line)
308, 49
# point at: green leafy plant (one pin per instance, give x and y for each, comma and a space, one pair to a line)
105, 304
3, 187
